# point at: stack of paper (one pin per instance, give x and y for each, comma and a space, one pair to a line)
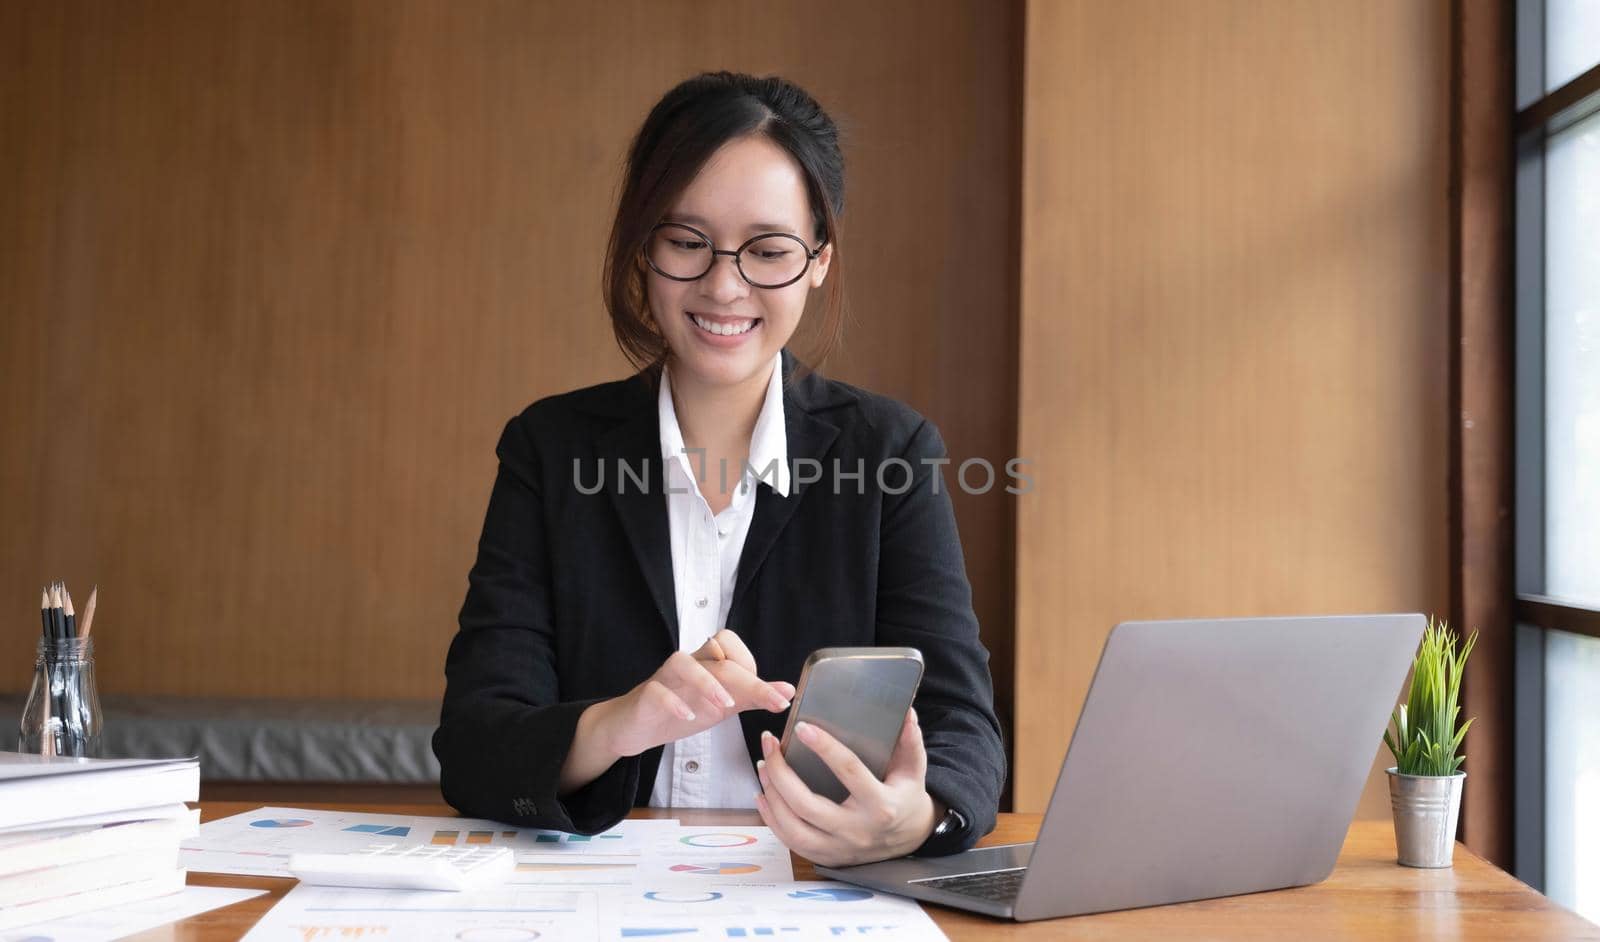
82, 834
643, 878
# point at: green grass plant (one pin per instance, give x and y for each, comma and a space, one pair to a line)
1425, 739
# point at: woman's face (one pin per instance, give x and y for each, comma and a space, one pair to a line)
720, 330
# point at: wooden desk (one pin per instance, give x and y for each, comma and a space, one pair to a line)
1369, 896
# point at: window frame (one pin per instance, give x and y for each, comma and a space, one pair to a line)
1545, 115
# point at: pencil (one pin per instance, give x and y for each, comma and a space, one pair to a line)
71, 620
44, 612
88, 612
55, 611
47, 739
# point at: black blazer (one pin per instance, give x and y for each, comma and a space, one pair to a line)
571, 598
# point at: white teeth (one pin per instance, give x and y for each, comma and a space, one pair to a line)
725, 330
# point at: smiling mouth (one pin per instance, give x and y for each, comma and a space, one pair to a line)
730, 327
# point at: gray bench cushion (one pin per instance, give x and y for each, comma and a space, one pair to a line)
369, 741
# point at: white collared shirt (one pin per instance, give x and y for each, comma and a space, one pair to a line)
713, 769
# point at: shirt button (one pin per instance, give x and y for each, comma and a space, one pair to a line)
722, 533
691, 766
700, 602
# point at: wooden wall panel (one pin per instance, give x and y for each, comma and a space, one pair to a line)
1233, 327
1483, 344
273, 276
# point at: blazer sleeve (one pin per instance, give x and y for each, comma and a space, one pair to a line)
925, 602
503, 731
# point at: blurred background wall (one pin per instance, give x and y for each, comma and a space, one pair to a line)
276, 274
1233, 328
273, 276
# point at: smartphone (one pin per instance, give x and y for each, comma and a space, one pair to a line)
860, 696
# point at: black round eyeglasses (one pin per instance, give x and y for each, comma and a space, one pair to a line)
769, 260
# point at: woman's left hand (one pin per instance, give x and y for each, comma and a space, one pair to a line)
879, 820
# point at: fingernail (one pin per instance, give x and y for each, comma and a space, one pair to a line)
688, 715
761, 765
766, 743
805, 732
780, 704
727, 701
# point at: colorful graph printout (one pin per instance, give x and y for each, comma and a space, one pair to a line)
259, 842
719, 869
772, 912
663, 896
832, 894
723, 841
383, 829
336, 914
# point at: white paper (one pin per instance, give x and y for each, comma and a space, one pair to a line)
798, 911
650, 878
316, 913
809, 910
107, 817
572, 873
715, 857
129, 918
258, 843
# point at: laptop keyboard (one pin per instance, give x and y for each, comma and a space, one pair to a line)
998, 885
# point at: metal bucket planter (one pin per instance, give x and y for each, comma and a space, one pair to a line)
1426, 808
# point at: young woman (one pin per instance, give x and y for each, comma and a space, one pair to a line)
662, 553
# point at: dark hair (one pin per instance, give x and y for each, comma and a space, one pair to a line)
680, 134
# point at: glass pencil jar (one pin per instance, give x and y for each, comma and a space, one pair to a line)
62, 714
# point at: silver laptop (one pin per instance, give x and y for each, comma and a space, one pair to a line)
1212, 757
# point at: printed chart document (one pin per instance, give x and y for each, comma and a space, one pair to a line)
796, 911
714, 858
117, 922
507, 914
642, 879
258, 843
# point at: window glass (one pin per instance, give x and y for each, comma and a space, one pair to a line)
1572, 40
1572, 363
1572, 772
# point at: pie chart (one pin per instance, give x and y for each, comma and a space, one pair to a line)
716, 869
832, 894
281, 823
659, 896
717, 840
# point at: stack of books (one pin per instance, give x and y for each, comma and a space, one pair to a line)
84, 834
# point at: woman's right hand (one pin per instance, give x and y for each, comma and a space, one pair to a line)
688, 694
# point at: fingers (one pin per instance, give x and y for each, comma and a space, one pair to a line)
749, 690
659, 697
712, 651
910, 758
795, 833
729, 660
777, 775
692, 674
851, 772
655, 714
735, 650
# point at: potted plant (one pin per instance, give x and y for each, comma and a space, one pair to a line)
1425, 783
